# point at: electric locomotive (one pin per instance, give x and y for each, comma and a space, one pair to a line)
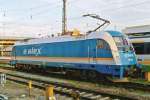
98, 53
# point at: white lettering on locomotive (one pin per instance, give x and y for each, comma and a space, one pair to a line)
34, 51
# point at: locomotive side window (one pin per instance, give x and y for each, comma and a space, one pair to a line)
142, 48
139, 48
148, 48
102, 44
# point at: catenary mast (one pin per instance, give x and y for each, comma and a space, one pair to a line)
64, 18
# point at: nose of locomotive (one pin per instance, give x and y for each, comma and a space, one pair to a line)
128, 58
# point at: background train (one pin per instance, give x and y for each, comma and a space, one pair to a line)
142, 49
140, 38
98, 53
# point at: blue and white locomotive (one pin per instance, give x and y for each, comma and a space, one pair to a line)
107, 53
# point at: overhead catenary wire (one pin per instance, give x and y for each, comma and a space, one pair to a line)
56, 6
45, 11
36, 13
125, 6
118, 8
32, 8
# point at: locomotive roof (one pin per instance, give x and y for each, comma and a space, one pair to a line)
115, 33
93, 35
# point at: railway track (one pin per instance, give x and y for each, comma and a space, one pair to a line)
129, 85
126, 85
134, 86
87, 92
65, 89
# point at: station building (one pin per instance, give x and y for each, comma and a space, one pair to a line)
6, 44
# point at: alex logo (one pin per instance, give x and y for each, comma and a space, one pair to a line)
34, 51
128, 55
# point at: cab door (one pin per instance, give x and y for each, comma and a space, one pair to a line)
92, 52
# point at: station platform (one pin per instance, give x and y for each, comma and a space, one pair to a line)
5, 60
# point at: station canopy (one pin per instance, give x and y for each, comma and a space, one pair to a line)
144, 29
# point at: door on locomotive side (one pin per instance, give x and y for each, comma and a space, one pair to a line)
92, 51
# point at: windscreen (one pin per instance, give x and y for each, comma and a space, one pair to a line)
123, 44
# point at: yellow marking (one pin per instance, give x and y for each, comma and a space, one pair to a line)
76, 33
147, 76
103, 58
30, 87
125, 79
137, 41
63, 58
50, 93
30, 84
146, 62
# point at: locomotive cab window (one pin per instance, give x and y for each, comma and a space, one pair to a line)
122, 44
102, 44
120, 41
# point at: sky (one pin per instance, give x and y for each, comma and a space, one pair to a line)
39, 18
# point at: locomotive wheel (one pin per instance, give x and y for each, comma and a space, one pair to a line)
15, 66
28, 68
83, 75
69, 73
76, 73
18, 67
92, 75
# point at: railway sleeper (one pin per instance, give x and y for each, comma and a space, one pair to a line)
88, 95
95, 97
